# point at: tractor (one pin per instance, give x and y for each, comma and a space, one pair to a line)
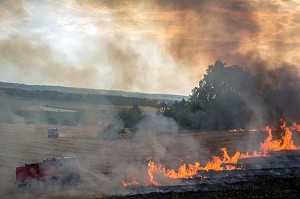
53, 132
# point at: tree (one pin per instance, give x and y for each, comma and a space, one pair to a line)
130, 117
219, 101
78, 117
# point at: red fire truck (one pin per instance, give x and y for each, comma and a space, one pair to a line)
62, 170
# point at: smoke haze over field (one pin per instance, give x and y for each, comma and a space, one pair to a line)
146, 46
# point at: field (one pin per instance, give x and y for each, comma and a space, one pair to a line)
106, 157
32, 111
105, 162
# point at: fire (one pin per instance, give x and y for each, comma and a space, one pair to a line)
224, 162
288, 143
213, 164
295, 127
285, 143
132, 183
253, 130
228, 159
190, 170
184, 171
151, 168
218, 163
237, 130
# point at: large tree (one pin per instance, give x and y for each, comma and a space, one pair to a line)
220, 100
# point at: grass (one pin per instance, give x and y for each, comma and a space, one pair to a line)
17, 110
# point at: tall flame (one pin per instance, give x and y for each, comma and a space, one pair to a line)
285, 143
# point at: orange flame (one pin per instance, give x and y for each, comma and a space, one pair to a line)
237, 130
132, 183
295, 127
190, 170
225, 162
253, 130
285, 143
184, 171
151, 170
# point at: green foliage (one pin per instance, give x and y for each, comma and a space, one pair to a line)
78, 97
130, 117
78, 117
219, 101
52, 121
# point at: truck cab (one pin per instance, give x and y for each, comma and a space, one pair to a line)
62, 170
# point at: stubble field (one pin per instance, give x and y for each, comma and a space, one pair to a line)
105, 162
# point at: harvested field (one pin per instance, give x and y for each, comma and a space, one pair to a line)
105, 162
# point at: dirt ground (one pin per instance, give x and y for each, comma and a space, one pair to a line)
105, 162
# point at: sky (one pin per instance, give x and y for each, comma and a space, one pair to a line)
153, 46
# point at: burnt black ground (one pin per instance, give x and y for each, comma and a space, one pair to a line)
263, 185
261, 188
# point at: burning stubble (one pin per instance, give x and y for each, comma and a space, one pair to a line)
133, 45
157, 139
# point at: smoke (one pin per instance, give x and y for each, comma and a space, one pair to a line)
110, 128
209, 29
158, 133
32, 57
276, 92
143, 46
156, 138
152, 46
12, 13
232, 31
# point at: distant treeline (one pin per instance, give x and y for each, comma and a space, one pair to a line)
230, 97
85, 91
83, 98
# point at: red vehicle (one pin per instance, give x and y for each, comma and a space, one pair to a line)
63, 170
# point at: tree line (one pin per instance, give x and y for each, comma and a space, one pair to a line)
230, 97
83, 98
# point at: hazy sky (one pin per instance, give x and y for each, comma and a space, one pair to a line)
159, 46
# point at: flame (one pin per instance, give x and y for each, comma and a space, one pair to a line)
131, 183
152, 168
285, 143
253, 130
190, 170
237, 130
184, 171
295, 127
219, 163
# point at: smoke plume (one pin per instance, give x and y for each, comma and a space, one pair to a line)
143, 46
